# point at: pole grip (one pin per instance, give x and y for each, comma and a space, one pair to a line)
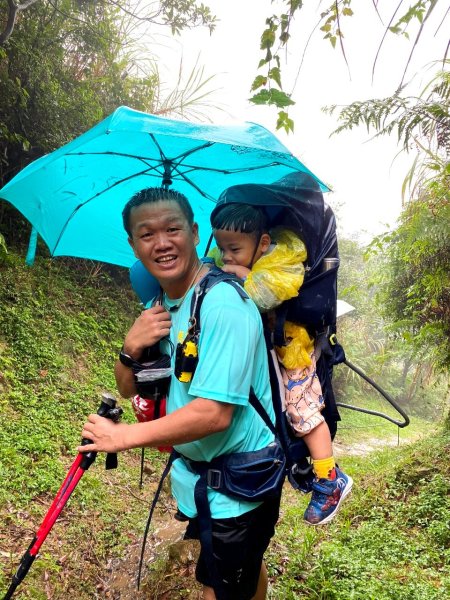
108, 408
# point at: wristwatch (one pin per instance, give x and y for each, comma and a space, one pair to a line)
126, 359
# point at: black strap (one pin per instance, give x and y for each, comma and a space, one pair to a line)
173, 455
111, 461
141, 477
205, 527
280, 320
255, 402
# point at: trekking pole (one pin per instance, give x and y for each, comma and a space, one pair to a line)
109, 409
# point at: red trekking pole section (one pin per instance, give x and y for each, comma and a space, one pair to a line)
109, 409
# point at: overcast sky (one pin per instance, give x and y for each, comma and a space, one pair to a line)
365, 180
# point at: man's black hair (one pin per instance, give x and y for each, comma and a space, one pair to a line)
156, 194
243, 218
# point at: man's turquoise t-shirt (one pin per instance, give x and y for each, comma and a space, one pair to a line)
232, 358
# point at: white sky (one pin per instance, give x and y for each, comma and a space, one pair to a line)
365, 180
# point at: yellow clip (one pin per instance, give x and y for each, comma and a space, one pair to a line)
333, 339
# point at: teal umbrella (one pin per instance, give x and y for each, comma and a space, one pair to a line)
74, 196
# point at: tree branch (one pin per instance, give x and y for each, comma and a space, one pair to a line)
13, 9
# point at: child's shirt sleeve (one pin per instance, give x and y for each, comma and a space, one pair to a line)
278, 275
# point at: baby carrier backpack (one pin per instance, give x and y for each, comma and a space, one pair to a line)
296, 202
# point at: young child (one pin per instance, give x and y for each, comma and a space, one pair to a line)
271, 267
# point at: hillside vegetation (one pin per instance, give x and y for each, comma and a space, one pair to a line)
61, 325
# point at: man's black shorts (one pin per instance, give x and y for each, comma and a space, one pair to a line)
239, 544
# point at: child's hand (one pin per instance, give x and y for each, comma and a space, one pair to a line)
237, 270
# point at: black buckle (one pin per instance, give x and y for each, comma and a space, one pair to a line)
214, 478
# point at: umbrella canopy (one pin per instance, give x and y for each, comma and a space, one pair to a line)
74, 196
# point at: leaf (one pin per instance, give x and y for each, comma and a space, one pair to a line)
267, 39
262, 97
272, 97
258, 82
284, 122
280, 99
275, 74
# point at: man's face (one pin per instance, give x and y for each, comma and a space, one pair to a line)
163, 240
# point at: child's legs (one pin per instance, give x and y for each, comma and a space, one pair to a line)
319, 442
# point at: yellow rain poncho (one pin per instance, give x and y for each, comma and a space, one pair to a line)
278, 274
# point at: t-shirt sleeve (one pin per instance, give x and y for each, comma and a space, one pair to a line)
230, 331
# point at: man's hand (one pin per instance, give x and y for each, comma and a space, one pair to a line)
198, 419
152, 325
106, 435
237, 270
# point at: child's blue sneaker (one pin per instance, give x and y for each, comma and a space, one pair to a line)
327, 496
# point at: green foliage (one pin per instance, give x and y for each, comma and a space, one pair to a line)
3, 248
370, 342
413, 282
414, 119
180, 14
277, 35
414, 291
389, 542
51, 337
61, 72
64, 70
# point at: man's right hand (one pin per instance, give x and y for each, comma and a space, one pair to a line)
152, 325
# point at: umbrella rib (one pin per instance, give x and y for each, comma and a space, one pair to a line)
183, 154
195, 186
231, 171
109, 153
148, 160
76, 209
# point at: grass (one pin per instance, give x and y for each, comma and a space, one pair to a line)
61, 325
60, 331
391, 540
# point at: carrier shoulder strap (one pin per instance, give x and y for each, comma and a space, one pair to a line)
211, 279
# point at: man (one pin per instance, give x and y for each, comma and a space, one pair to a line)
210, 415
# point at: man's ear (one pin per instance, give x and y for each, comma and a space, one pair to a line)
130, 241
264, 242
195, 233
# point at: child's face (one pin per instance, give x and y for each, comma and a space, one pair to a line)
239, 248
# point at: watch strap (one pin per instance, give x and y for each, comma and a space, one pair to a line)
126, 359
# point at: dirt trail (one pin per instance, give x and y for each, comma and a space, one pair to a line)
169, 562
